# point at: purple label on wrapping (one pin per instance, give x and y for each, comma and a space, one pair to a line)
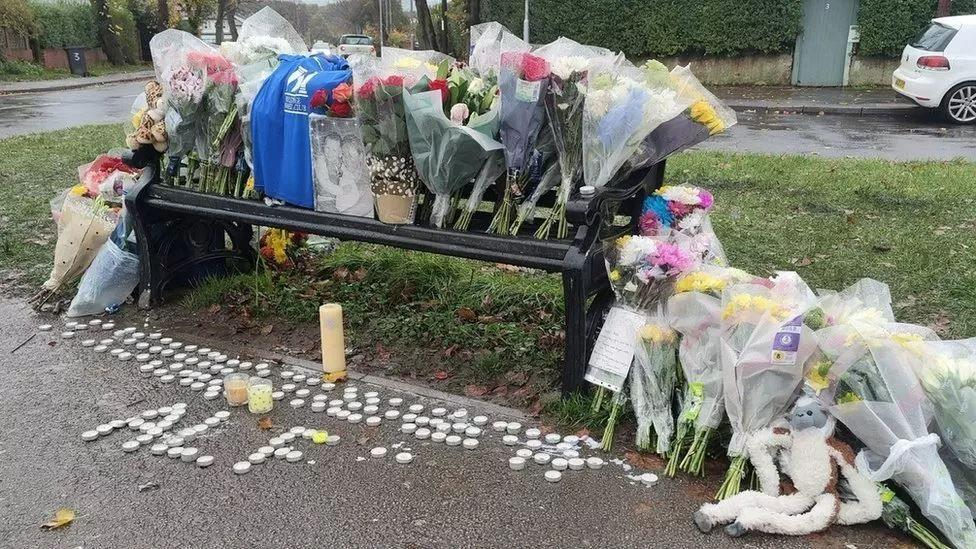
786, 343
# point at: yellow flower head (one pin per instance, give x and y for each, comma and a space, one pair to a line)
817, 377
137, 118
653, 333
614, 275
622, 241
703, 113
79, 190
745, 303
699, 282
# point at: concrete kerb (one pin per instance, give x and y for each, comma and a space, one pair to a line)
12, 88
850, 110
313, 368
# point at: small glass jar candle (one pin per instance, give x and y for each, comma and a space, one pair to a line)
259, 399
236, 389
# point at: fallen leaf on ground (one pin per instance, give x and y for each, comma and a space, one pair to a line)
475, 390
803, 262
148, 486
359, 275
467, 314
450, 351
517, 378
583, 433
536, 408
264, 423
62, 518
341, 273
509, 268
441, 375
214, 309
267, 329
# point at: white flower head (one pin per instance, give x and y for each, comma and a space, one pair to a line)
683, 194
636, 248
477, 85
564, 67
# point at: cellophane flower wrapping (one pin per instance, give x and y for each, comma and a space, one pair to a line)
488, 42
522, 84
183, 84
764, 351
380, 109
261, 39
618, 112
695, 312
218, 114
653, 378
339, 166
642, 272
882, 403
414, 65
448, 155
947, 372
687, 114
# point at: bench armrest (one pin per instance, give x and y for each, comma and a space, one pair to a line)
585, 211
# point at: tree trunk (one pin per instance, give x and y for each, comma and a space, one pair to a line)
219, 21
163, 8
428, 38
474, 12
232, 18
445, 36
945, 6
109, 40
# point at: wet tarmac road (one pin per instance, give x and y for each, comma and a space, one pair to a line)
915, 136
48, 111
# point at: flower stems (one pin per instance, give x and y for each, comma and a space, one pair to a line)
732, 484
680, 437
607, 443
924, 535
694, 461
598, 399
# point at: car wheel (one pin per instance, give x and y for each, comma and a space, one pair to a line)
959, 105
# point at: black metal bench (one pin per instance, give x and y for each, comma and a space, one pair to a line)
183, 234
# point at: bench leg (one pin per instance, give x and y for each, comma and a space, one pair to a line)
574, 367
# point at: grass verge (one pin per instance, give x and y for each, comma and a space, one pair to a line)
23, 71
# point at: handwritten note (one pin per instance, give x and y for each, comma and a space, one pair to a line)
613, 351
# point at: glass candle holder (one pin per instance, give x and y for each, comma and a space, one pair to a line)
236, 389
259, 399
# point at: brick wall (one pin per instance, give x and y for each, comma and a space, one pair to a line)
55, 58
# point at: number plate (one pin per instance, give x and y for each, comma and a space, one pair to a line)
899, 83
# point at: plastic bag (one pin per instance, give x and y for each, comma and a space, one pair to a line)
881, 402
653, 378
947, 372
414, 65
447, 155
697, 317
339, 172
83, 226
111, 277
183, 82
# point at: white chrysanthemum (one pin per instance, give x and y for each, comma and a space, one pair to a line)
682, 194
636, 248
598, 102
691, 222
564, 67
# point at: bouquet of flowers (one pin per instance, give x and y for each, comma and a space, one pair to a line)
184, 85
948, 376
764, 350
882, 403
221, 131
682, 212
653, 379
339, 164
570, 63
618, 112
688, 114
897, 515
488, 42
642, 271
695, 312
522, 84
448, 154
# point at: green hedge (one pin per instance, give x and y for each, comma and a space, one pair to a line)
124, 25
888, 25
63, 24
642, 28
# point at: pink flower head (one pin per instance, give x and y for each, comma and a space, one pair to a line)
526, 66
460, 113
226, 77
679, 210
649, 224
670, 257
211, 62
393, 80
706, 200
369, 87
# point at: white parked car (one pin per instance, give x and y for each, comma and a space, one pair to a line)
938, 69
355, 43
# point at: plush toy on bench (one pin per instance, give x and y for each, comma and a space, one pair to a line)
810, 456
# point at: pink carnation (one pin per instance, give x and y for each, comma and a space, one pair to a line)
679, 210
526, 66
670, 257
705, 199
649, 224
